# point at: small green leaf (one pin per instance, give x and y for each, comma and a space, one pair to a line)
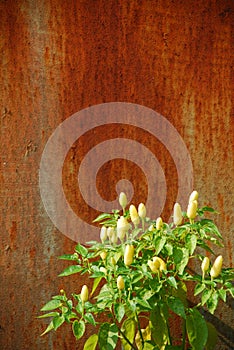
50, 314
212, 302
78, 328
102, 217
49, 328
108, 336
119, 311
70, 270
96, 283
51, 305
172, 281
196, 329
91, 342
81, 250
89, 317
223, 294
128, 328
58, 321
206, 295
69, 257
199, 288
191, 243
177, 306
159, 244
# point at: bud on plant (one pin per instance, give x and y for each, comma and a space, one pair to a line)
134, 215
84, 295
192, 209
177, 214
159, 223
123, 200
142, 210
122, 227
205, 265
151, 228
120, 283
128, 254
103, 234
110, 232
193, 196
217, 267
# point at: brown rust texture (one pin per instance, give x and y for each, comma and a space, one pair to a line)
58, 57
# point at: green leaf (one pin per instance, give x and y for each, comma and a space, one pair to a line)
212, 302
50, 314
70, 257
89, 317
70, 270
172, 281
51, 305
159, 244
96, 283
191, 243
81, 250
212, 336
91, 342
49, 328
159, 330
102, 217
108, 336
128, 328
143, 303
58, 321
177, 306
223, 294
78, 328
199, 288
196, 329
181, 257
206, 295
119, 311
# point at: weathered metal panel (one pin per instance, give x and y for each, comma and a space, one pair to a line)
59, 57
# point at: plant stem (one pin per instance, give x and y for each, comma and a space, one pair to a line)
127, 340
184, 336
139, 328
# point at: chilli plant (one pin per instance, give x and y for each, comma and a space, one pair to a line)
144, 274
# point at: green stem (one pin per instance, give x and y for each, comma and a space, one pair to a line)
139, 328
127, 340
184, 336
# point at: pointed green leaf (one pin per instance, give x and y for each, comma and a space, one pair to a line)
91, 342
89, 317
177, 306
58, 321
78, 328
51, 305
96, 282
199, 288
70, 270
172, 281
81, 250
119, 311
191, 243
128, 328
196, 329
108, 336
50, 314
49, 328
159, 244
206, 295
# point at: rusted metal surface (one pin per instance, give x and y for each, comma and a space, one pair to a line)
59, 57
